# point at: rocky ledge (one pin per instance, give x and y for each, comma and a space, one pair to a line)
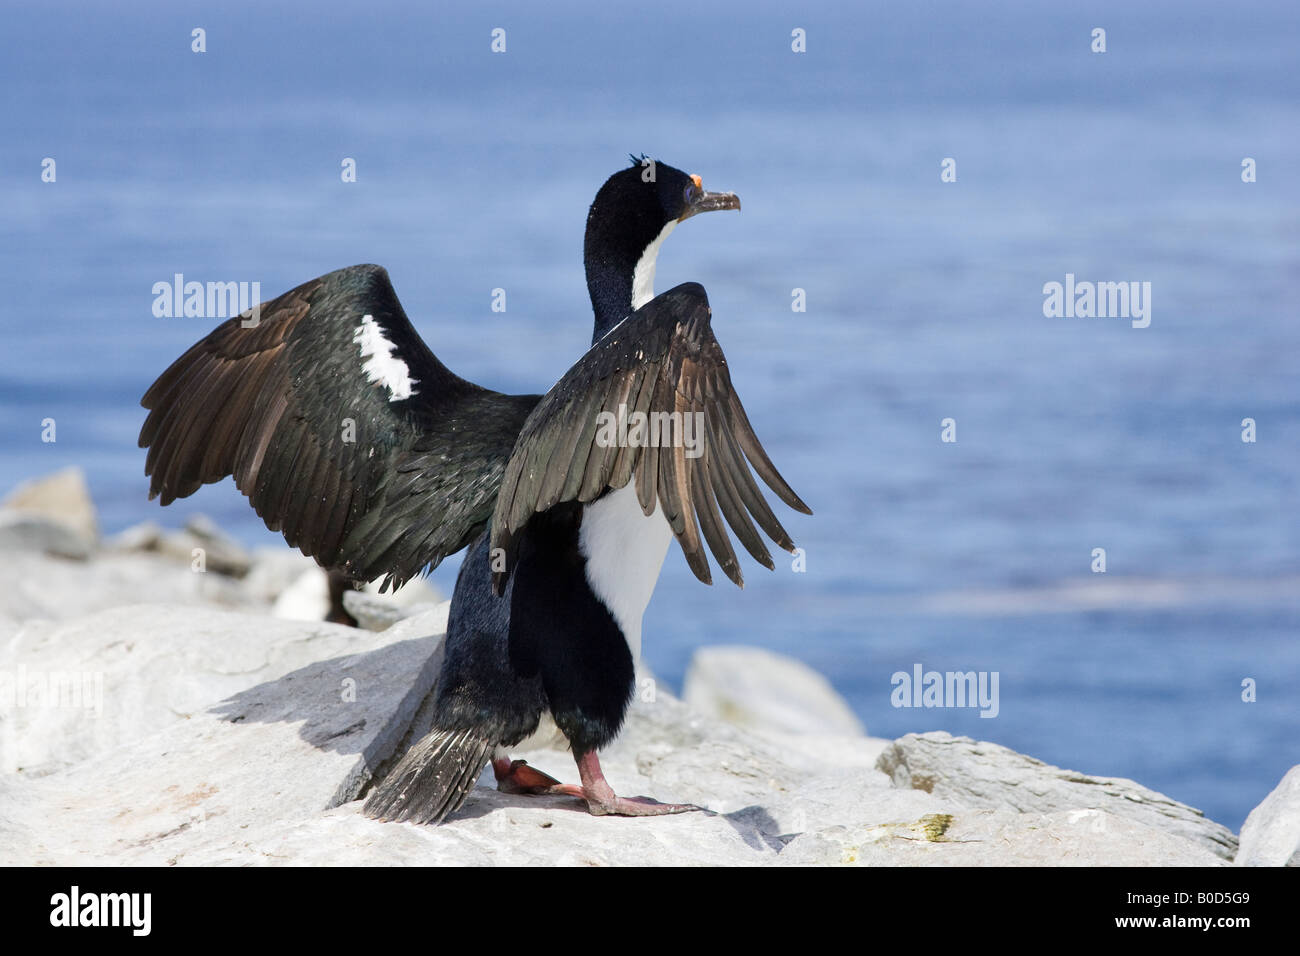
209, 731
203, 736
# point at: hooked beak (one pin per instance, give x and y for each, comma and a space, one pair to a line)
708, 202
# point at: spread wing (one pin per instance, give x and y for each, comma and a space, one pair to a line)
341, 427
664, 363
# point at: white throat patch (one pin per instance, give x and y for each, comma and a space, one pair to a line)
643, 277
382, 367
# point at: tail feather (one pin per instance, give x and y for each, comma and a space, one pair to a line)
433, 779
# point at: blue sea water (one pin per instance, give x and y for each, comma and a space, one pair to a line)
924, 302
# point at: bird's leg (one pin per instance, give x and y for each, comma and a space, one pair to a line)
602, 800
516, 776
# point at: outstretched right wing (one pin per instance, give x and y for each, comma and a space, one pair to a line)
662, 362
341, 427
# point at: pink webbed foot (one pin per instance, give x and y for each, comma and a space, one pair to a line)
603, 801
516, 776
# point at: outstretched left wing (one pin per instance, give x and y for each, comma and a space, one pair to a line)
341, 426
693, 456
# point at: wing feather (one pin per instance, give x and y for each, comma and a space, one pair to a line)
355, 473
663, 360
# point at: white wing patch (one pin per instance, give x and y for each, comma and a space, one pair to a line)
382, 366
625, 552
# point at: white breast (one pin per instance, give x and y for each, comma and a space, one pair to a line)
625, 552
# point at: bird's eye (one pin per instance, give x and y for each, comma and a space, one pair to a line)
689, 193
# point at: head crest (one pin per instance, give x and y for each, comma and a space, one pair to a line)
638, 162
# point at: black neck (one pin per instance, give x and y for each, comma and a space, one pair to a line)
612, 248
610, 284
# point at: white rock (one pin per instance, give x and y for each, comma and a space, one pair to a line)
232, 782
375, 611
139, 669
415, 592
306, 599
272, 571
370, 612
63, 497
139, 537
982, 775
45, 587
274, 773
999, 838
1271, 834
760, 690
199, 544
22, 531
143, 564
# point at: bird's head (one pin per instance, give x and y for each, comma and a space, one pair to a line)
656, 196
630, 217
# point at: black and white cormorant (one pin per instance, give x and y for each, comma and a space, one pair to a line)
349, 436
